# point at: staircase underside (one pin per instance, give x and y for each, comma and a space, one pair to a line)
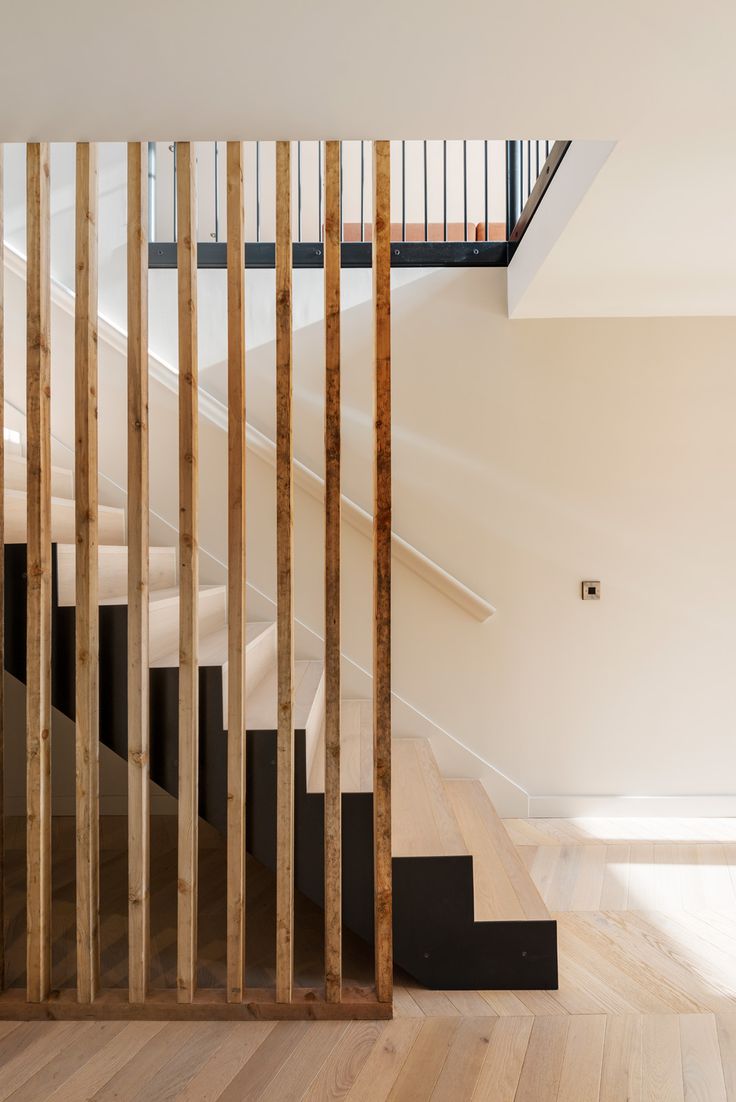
466, 914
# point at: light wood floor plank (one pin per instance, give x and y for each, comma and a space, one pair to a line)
470, 1003
92, 1074
465, 1059
82, 1046
306, 1061
425, 1061
175, 1075
580, 1080
621, 1072
702, 1072
661, 1059
405, 1006
506, 1004
345, 1062
131, 1079
434, 1004
385, 1061
615, 887
542, 1068
48, 1040
726, 1026
255, 1076
238, 1045
499, 1075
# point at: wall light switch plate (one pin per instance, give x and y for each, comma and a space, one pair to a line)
591, 591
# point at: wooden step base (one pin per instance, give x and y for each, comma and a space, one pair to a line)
209, 1006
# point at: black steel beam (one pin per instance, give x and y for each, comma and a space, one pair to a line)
355, 254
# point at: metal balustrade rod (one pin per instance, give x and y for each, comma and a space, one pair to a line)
173, 150
465, 189
217, 198
403, 191
298, 191
362, 191
444, 190
258, 191
525, 165
152, 191
319, 192
485, 188
514, 184
426, 196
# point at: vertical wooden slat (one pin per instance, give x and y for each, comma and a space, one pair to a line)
2, 581
138, 676
284, 586
87, 611
236, 576
38, 642
333, 797
188, 574
382, 571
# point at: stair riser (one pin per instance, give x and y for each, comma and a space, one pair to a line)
16, 477
164, 621
110, 521
113, 572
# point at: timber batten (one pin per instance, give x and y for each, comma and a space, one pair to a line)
138, 734
186, 978
126, 616
38, 534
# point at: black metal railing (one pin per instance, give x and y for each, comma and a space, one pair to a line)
453, 202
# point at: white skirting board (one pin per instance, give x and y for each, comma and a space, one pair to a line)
650, 807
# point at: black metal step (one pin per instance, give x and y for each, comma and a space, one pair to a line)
436, 939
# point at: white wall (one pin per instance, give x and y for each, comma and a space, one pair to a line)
529, 456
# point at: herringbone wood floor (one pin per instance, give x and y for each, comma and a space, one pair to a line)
646, 1009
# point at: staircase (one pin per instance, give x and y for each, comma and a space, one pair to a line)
466, 912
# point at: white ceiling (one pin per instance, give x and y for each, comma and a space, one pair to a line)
656, 232
416, 68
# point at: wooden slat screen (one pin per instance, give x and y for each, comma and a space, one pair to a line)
38, 536
2, 576
144, 1001
138, 523
188, 574
382, 571
86, 584
284, 586
333, 796
236, 576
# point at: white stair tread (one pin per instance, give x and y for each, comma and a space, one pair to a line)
163, 620
423, 822
260, 656
62, 479
161, 598
261, 709
110, 520
113, 572
503, 887
213, 646
356, 750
